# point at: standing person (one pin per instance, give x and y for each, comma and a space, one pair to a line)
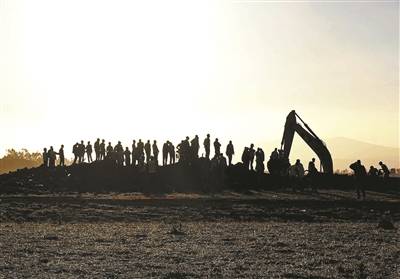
45, 158
230, 151
165, 153
217, 147
75, 151
245, 157
360, 174
134, 153
206, 144
274, 154
147, 150
103, 150
89, 151
384, 170
179, 149
61, 155
299, 169
184, 151
119, 153
140, 154
195, 146
155, 151
296, 174
51, 155
171, 153
110, 151
141, 160
312, 170
251, 156
260, 157
81, 152
312, 174
127, 155
140, 149
97, 149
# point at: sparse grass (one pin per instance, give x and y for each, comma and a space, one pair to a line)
209, 249
280, 235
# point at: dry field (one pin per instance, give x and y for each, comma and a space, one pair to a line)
263, 235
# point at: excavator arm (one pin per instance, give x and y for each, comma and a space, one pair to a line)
312, 140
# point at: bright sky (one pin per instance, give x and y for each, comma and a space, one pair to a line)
119, 70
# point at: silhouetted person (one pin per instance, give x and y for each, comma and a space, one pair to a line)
295, 174
114, 155
140, 151
127, 155
179, 151
110, 151
260, 157
147, 149
171, 152
155, 151
61, 155
185, 150
89, 151
360, 174
251, 156
103, 150
312, 170
81, 152
51, 155
141, 160
96, 147
385, 170
45, 158
373, 172
75, 151
312, 174
299, 169
217, 147
206, 144
195, 146
165, 153
275, 154
246, 157
119, 153
134, 153
230, 151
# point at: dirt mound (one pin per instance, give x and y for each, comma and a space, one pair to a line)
196, 177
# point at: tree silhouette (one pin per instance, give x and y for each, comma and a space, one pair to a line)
14, 160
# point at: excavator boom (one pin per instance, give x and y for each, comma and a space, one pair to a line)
312, 140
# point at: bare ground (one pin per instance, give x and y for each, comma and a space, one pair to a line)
257, 235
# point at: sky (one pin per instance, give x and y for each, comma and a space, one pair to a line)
123, 70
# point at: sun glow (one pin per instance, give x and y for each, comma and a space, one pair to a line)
131, 68
123, 70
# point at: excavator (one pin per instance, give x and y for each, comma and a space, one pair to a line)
279, 165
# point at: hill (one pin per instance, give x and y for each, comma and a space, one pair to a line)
345, 150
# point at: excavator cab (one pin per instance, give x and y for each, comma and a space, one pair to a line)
280, 165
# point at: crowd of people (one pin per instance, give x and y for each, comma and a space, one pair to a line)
144, 153
147, 154
360, 174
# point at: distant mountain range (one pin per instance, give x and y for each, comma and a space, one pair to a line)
344, 151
